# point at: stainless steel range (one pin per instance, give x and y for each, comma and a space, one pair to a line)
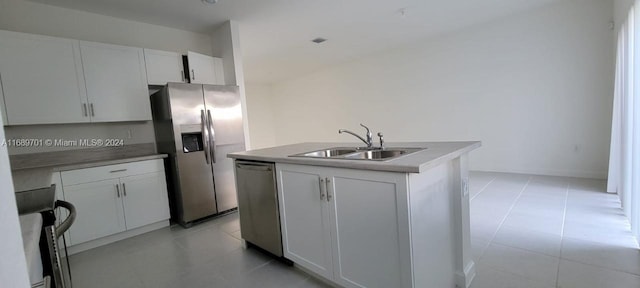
53, 264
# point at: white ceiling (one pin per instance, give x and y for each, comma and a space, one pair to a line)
276, 34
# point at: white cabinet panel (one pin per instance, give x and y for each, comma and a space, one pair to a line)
364, 216
116, 82
304, 219
115, 198
93, 174
202, 68
42, 79
350, 226
99, 210
145, 199
163, 67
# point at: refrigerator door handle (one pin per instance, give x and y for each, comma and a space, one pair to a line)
205, 135
212, 137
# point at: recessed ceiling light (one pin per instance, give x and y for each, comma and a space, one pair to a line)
318, 40
209, 1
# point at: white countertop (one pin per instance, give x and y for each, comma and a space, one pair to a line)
434, 154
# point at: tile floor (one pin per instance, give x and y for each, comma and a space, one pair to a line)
537, 231
527, 231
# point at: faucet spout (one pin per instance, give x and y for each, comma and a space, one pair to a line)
368, 141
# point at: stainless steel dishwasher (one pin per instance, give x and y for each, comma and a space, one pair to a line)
258, 205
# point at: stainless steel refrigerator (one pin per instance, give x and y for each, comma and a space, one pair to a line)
198, 125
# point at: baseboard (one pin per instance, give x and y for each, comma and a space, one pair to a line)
465, 280
575, 174
116, 237
316, 276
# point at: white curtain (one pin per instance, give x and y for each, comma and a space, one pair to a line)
624, 161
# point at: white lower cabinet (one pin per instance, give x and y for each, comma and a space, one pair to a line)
145, 199
99, 210
348, 226
115, 198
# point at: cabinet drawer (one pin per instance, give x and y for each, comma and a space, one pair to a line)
87, 175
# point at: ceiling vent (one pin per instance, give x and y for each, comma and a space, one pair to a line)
318, 40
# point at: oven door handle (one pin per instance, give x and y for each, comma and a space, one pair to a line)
64, 226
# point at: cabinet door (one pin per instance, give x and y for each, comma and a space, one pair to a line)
116, 82
99, 210
42, 79
370, 231
163, 67
145, 199
202, 68
306, 236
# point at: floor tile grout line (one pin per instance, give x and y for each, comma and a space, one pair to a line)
510, 208
500, 226
525, 249
564, 219
504, 218
602, 267
517, 275
483, 188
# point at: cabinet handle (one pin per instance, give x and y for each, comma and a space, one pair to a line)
321, 183
119, 170
84, 110
92, 112
124, 190
118, 190
328, 183
193, 75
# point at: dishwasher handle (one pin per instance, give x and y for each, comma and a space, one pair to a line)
256, 166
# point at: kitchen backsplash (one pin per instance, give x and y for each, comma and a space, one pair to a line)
60, 137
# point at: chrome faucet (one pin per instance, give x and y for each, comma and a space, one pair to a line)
369, 140
381, 140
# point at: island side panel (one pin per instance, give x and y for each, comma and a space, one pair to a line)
465, 267
369, 216
433, 226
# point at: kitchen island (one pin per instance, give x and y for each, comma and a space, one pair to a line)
401, 222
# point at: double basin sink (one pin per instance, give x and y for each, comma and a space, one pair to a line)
359, 153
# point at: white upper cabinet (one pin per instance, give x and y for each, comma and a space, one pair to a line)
163, 67
116, 82
42, 79
203, 69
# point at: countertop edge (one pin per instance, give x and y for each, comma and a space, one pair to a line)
82, 165
362, 164
448, 157
108, 162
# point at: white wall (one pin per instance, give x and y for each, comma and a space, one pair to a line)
260, 116
620, 11
535, 88
226, 44
13, 265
